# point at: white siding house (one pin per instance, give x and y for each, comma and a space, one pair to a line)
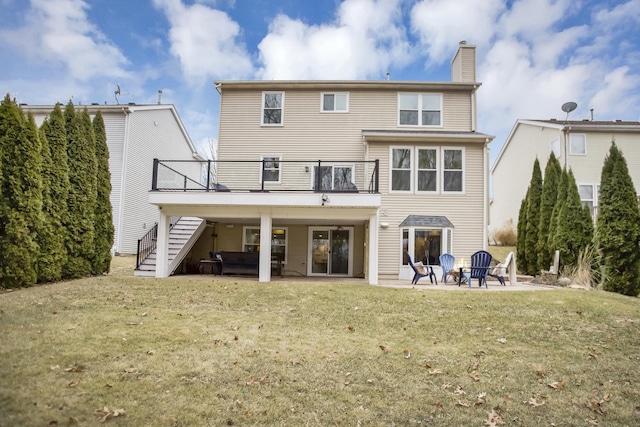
136, 134
343, 177
580, 145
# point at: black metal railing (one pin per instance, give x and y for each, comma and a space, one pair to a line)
146, 245
272, 175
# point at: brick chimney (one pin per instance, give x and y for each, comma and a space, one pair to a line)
463, 65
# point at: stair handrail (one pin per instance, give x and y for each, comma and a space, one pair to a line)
148, 243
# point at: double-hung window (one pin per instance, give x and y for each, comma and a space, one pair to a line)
401, 169
272, 108
270, 169
335, 103
578, 144
589, 196
279, 236
434, 170
420, 109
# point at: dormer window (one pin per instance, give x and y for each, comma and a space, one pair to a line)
420, 109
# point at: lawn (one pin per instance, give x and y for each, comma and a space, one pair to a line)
201, 352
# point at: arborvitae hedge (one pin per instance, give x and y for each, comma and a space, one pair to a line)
521, 253
533, 220
82, 195
617, 235
103, 214
574, 230
21, 196
548, 201
560, 201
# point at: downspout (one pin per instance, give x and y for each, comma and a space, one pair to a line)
123, 179
485, 210
474, 109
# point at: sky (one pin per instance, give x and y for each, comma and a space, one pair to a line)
532, 55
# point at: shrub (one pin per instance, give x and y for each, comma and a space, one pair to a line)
506, 235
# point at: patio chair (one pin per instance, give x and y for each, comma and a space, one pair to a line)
447, 262
500, 270
478, 270
427, 271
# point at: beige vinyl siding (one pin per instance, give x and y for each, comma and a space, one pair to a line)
308, 134
465, 210
165, 140
512, 176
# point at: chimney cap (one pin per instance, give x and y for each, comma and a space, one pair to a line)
463, 42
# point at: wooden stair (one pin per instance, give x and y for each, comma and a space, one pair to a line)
182, 236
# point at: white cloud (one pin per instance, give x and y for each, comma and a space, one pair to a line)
366, 39
58, 32
442, 24
206, 42
617, 95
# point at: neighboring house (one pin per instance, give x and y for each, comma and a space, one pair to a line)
579, 145
342, 177
136, 134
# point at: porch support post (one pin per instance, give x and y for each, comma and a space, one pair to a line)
373, 249
162, 246
265, 247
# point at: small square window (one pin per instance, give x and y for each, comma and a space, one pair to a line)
578, 144
335, 102
420, 109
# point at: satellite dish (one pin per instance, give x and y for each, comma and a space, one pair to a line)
568, 107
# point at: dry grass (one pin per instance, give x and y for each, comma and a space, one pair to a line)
500, 253
197, 351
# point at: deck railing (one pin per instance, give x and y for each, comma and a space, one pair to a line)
266, 175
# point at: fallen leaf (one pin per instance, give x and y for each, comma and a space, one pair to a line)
459, 391
463, 404
105, 413
535, 403
502, 340
481, 398
407, 354
72, 384
384, 348
493, 419
435, 372
557, 385
593, 355
351, 328
475, 376
151, 352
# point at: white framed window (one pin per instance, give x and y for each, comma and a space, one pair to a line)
270, 169
426, 244
427, 170
279, 240
420, 109
333, 177
578, 144
589, 194
272, 108
555, 147
436, 169
334, 102
453, 170
401, 168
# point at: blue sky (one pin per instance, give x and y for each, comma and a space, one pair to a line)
533, 55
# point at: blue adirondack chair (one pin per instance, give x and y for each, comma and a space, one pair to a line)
447, 262
428, 272
479, 268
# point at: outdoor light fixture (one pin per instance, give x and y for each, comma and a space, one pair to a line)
325, 199
384, 225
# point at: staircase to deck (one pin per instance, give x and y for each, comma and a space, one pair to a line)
182, 236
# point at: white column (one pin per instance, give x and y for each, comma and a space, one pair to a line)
162, 246
265, 247
373, 249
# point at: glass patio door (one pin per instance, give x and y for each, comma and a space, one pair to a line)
331, 251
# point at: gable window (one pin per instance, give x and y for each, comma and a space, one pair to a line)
427, 169
270, 167
335, 102
578, 144
401, 169
279, 236
452, 178
436, 169
333, 178
420, 109
272, 108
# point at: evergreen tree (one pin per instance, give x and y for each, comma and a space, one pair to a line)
55, 195
574, 231
617, 235
521, 253
533, 220
104, 214
21, 196
561, 199
82, 194
547, 203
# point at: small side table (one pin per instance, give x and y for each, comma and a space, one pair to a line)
213, 265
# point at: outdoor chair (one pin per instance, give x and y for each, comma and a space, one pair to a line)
447, 262
500, 270
421, 271
480, 265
